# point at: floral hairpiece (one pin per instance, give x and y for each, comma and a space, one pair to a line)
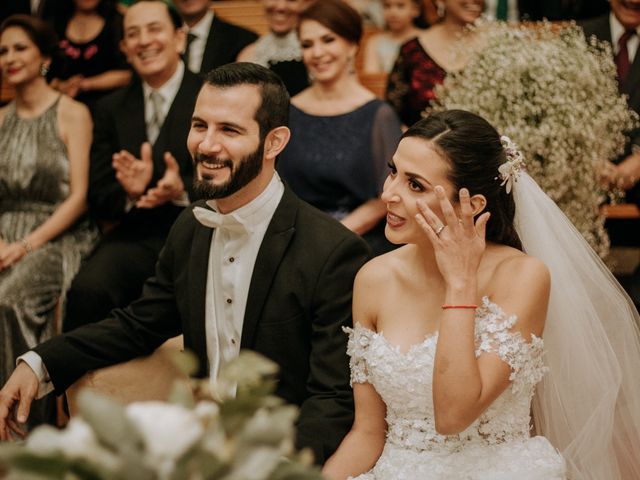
510, 169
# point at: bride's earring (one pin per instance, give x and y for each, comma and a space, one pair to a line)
440, 9
44, 69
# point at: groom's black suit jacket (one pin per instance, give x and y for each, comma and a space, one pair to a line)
299, 300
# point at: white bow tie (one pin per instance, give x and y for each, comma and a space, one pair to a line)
212, 219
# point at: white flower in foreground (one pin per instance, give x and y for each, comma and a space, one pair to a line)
169, 431
77, 440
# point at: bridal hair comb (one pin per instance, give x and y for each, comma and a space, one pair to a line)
510, 169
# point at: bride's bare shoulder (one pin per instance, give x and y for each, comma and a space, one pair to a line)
382, 269
518, 265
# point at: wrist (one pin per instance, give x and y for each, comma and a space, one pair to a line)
26, 246
461, 294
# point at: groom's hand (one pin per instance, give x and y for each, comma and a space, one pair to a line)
15, 401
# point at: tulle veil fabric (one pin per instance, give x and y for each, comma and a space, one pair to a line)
588, 405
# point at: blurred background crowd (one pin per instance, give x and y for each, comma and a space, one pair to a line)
91, 180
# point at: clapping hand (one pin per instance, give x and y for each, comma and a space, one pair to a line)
170, 187
134, 174
458, 243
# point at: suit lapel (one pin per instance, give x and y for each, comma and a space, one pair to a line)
631, 86
211, 48
200, 249
274, 245
132, 128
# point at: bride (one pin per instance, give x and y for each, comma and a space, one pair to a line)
448, 344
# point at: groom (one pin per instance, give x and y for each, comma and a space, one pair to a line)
253, 267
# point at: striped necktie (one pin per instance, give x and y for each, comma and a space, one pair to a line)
157, 118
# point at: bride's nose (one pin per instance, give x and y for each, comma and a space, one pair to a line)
389, 194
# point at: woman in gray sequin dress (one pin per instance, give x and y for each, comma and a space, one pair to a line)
44, 160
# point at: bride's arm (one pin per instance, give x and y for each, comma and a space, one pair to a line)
362, 446
463, 385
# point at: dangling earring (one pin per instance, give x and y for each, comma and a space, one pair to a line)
440, 9
44, 69
352, 65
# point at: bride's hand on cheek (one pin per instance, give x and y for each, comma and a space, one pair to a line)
458, 243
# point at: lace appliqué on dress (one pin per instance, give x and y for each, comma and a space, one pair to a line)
494, 335
359, 341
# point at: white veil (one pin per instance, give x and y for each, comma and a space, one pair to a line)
588, 405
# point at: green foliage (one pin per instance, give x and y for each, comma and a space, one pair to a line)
234, 430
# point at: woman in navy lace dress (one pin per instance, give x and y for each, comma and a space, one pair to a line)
342, 136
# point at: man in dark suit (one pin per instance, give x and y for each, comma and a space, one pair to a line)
251, 267
621, 28
139, 164
211, 42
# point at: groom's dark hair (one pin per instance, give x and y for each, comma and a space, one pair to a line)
274, 110
473, 149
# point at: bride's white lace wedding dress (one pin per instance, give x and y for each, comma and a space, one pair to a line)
497, 446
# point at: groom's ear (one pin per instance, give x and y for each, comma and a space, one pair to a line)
478, 204
275, 142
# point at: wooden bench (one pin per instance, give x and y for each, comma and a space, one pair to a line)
622, 211
142, 379
245, 13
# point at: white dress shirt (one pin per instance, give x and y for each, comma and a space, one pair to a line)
232, 256
233, 252
617, 30
201, 32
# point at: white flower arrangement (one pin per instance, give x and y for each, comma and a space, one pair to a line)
555, 94
205, 434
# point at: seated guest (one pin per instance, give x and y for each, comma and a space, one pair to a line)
621, 28
236, 272
402, 19
279, 49
424, 61
44, 163
342, 136
211, 42
140, 166
93, 65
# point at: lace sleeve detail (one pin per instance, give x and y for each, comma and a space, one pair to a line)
494, 335
359, 340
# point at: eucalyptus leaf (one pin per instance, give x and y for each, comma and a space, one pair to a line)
109, 422
182, 394
186, 361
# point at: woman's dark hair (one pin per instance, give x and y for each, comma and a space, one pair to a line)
65, 9
473, 149
336, 15
40, 32
421, 20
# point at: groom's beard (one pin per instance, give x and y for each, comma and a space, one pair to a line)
241, 174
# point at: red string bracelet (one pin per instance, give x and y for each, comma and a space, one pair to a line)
446, 307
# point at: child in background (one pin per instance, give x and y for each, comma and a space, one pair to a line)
403, 20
